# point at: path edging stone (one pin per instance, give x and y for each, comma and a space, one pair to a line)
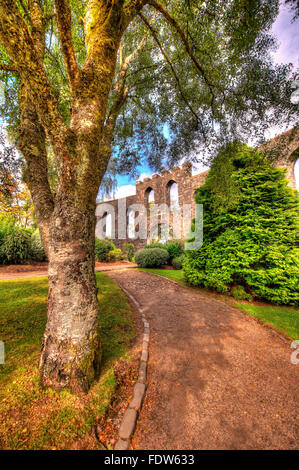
128, 423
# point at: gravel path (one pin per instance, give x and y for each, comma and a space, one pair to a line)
217, 378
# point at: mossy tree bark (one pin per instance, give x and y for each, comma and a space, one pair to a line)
71, 349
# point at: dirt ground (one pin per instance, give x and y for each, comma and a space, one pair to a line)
32, 269
217, 379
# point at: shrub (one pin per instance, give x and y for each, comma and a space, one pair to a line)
177, 262
239, 293
155, 245
249, 240
37, 250
102, 248
175, 248
128, 251
113, 255
7, 225
16, 247
151, 257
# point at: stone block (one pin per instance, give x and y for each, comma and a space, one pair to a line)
142, 372
138, 394
122, 445
128, 424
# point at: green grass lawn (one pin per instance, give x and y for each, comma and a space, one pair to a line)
34, 418
174, 274
285, 319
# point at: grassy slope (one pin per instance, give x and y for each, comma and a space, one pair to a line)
33, 418
285, 319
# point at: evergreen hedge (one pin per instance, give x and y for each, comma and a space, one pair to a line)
250, 229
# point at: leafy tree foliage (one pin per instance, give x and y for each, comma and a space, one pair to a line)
10, 166
165, 105
251, 240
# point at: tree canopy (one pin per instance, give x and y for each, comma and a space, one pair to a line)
189, 76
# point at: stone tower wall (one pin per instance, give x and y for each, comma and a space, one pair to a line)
160, 184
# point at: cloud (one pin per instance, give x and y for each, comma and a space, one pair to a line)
288, 37
124, 191
199, 168
144, 175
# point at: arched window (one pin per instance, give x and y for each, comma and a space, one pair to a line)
172, 194
150, 196
108, 225
131, 223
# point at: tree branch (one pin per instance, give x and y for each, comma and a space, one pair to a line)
133, 9
126, 63
8, 68
64, 23
25, 11
120, 98
170, 65
37, 25
179, 30
33, 147
25, 55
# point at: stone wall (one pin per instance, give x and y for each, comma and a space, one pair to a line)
160, 184
283, 150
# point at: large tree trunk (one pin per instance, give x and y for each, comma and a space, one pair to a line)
71, 348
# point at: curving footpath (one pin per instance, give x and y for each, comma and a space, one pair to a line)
217, 379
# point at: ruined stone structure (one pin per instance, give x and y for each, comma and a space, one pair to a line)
158, 189
283, 150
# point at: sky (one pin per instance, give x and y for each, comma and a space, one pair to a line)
287, 33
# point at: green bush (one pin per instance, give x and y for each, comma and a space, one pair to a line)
175, 248
7, 225
177, 262
113, 255
128, 251
37, 250
17, 244
155, 245
102, 248
249, 239
16, 247
151, 257
239, 293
